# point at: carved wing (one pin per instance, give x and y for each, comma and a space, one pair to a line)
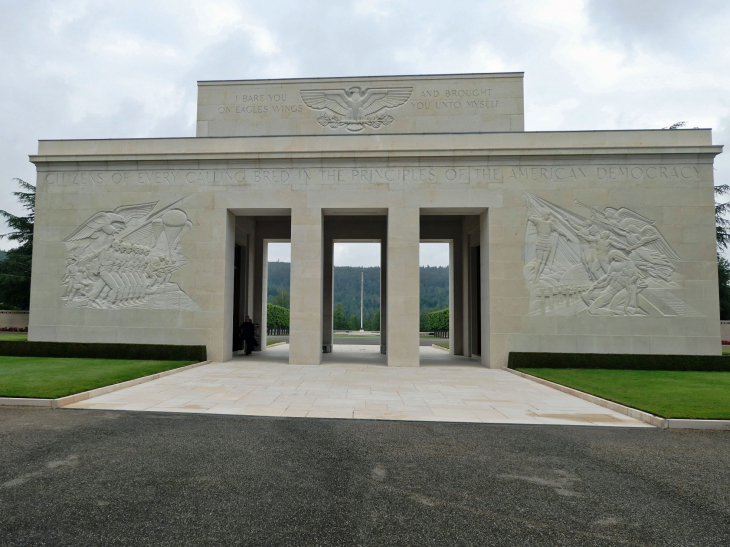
659, 244
333, 100
144, 235
90, 227
378, 99
627, 218
128, 212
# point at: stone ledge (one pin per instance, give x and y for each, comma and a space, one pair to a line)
656, 421
69, 399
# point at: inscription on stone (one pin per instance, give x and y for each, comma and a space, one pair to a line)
372, 175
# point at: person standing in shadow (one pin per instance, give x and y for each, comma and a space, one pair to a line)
247, 335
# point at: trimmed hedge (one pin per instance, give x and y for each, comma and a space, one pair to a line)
439, 320
277, 317
619, 361
147, 352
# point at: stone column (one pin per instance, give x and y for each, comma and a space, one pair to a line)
264, 293
305, 323
384, 296
251, 273
456, 296
403, 287
258, 281
328, 294
466, 317
222, 350
484, 304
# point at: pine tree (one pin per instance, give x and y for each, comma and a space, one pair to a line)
15, 269
722, 227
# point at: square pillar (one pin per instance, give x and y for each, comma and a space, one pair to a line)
403, 288
260, 285
305, 314
456, 296
465, 293
384, 296
264, 295
484, 287
328, 295
222, 349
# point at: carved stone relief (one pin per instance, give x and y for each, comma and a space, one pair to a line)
355, 108
125, 259
613, 262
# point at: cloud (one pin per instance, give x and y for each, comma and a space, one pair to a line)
107, 69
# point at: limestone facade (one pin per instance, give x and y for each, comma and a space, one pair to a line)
586, 241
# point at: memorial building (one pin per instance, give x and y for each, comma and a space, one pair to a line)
570, 241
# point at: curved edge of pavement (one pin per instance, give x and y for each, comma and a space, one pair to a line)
656, 421
76, 397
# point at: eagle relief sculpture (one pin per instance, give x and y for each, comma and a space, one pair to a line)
355, 108
125, 259
613, 262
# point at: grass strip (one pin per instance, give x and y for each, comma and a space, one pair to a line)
665, 393
14, 337
48, 377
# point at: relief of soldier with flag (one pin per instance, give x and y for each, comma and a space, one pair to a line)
611, 262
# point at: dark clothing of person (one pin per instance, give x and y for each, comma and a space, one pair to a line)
247, 335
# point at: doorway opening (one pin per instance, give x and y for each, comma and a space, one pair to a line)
435, 288
452, 284
356, 296
278, 292
354, 263
261, 236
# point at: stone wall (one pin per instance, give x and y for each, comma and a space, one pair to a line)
13, 318
549, 282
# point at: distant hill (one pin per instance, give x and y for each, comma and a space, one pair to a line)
434, 287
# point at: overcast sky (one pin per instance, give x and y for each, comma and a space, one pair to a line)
110, 69
366, 254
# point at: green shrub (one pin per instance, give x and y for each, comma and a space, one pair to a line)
439, 320
146, 352
277, 317
619, 361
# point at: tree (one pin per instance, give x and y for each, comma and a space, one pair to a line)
722, 228
281, 298
276, 317
15, 269
339, 319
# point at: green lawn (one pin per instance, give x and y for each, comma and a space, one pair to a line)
726, 350
669, 394
444, 345
14, 336
47, 377
269, 342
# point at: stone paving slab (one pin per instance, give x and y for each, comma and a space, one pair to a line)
355, 383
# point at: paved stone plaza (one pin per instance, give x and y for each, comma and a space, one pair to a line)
354, 382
